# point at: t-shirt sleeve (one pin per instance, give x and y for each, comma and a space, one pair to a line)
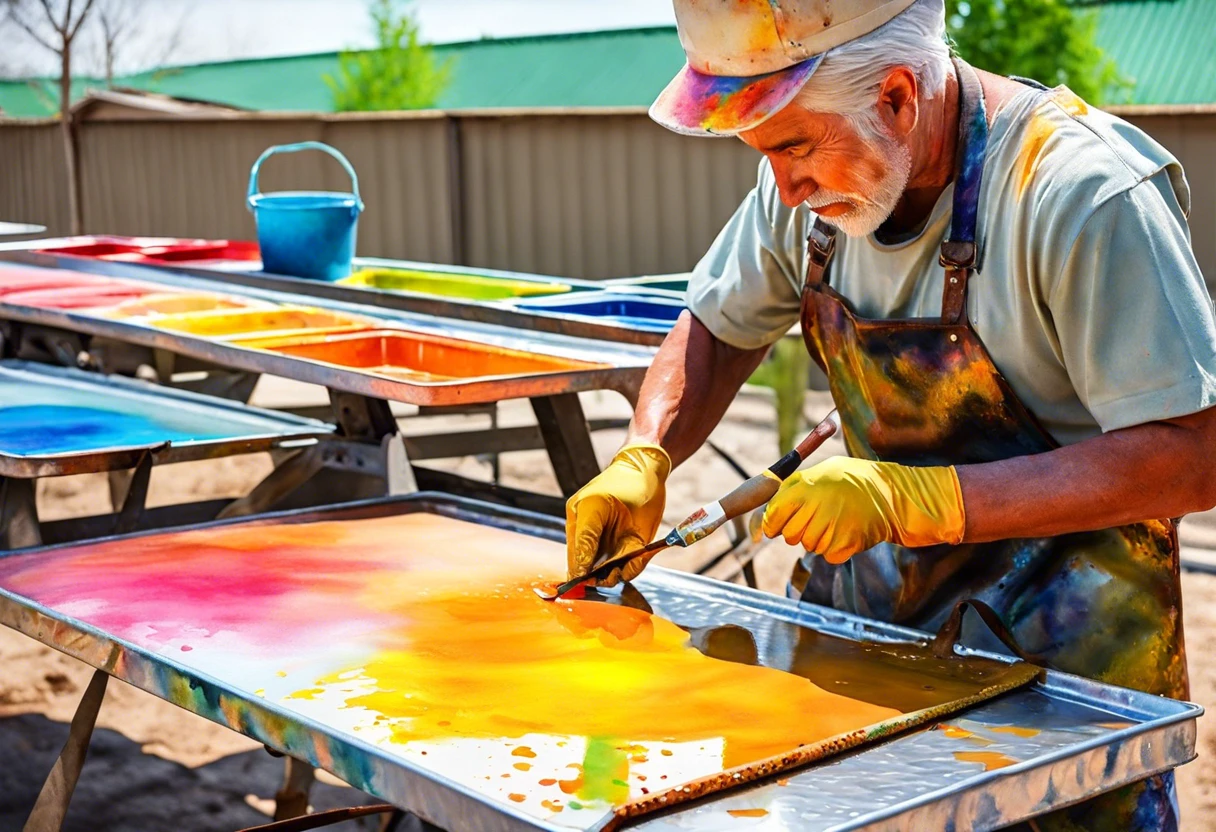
745, 290
1132, 314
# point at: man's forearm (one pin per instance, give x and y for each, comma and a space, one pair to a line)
1151, 471
692, 380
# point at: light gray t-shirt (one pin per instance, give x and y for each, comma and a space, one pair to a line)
1088, 296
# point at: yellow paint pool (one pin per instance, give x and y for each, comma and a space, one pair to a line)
279, 321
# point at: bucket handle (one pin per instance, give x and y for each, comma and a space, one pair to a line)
295, 148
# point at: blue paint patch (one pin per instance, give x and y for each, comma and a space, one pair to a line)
56, 429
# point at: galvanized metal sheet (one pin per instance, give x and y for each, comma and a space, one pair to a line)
1071, 736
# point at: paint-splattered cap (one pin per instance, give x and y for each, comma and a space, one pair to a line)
748, 58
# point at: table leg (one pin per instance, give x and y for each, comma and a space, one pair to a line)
52, 804
19, 525
291, 801
564, 429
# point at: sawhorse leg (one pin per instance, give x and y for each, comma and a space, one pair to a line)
19, 525
567, 439
52, 805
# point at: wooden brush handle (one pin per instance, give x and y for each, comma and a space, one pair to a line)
758, 490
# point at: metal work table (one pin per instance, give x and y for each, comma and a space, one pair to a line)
233, 429
359, 399
1073, 738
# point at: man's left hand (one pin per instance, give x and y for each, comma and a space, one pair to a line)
843, 506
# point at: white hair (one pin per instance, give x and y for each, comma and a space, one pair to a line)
850, 77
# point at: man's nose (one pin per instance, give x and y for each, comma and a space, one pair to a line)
794, 190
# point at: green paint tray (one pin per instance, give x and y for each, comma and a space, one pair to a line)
446, 284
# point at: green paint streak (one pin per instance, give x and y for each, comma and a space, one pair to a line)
605, 772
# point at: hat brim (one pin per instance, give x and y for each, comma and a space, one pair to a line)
697, 104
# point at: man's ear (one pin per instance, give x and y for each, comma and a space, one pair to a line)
898, 102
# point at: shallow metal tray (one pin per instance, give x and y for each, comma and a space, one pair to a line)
247, 429
444, 307
1090, 737
619, 367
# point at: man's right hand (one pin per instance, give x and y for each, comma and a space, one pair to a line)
617, 512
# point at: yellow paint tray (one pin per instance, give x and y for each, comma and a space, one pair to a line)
230, 325
181, 303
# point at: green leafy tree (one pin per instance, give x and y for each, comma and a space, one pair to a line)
401, 73
1051, 41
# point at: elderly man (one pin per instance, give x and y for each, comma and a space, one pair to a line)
1013, 327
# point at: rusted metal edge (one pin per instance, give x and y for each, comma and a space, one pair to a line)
1020, 675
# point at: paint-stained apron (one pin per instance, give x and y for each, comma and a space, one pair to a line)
1105, 604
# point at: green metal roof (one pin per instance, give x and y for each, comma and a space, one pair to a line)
1168, 47
610, 68
1164, 45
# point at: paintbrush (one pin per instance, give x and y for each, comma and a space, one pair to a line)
750, 495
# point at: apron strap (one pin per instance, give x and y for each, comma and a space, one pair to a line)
958, 255
820, 245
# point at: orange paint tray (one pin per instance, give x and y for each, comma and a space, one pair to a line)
246, 324
414, 356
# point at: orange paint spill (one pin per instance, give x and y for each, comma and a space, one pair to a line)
548, 781
1016, 731
747, 813
522, 766
518, 798
520, 751
990, 760
551, 805
954, 732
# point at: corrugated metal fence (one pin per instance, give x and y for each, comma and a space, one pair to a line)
584, 193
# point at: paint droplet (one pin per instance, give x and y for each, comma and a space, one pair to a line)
990, 760
548, 781
523, 751
282, 674
518, 798
747, 813
522, 766
186, 648
260, 692
1016, 731
551, 805
505, 776
666, 752
575, 804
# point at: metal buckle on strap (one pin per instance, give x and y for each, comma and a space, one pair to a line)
821, 245
957, 255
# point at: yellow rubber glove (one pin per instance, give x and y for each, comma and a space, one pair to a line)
843, 506
617, 512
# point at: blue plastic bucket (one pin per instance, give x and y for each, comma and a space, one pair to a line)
306, 233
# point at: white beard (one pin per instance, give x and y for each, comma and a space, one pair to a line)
869, 212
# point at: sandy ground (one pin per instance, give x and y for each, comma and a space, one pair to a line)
153, 766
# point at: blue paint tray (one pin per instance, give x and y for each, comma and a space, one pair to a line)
649, 312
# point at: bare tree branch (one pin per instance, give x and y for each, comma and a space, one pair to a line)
28, 27
84, 15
